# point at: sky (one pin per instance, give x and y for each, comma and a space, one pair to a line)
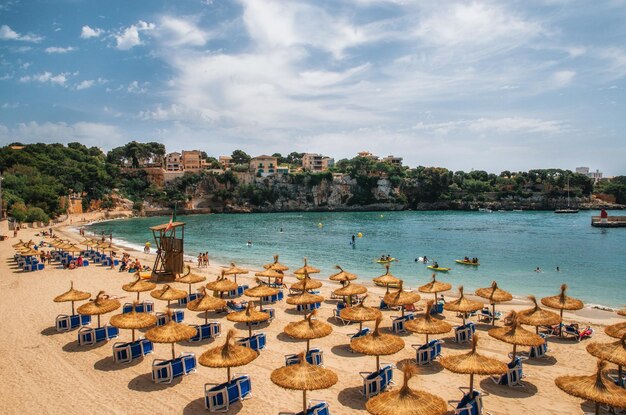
484, 85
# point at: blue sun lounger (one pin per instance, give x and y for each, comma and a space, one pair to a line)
67, 323
308, 307
487, 316
143, 307
470, 404
162, 318
89, 335
313, 356
397, 322
207, 331
238, 292
256, 342
377, 382
189, 298
218, 397
464, 333
274, 298
537, 352
315, 408
127, 352
428, 352
437, 308
358, 334
164, 371
513, 376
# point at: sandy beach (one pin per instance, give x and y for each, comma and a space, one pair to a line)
47, 372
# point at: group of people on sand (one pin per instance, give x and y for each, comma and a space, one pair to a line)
472, 261
127, 264
203, 259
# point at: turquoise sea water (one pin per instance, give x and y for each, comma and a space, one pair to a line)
510, 245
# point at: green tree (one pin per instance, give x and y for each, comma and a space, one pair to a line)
35, 214
240, 157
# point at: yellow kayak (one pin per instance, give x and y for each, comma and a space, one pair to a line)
460, 261
442, 269
385, 261
393, 285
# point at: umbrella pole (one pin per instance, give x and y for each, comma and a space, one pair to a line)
168, 304
304, 401
308, 341
173, 353
261, 304
619, 376
377, 362
536, 329
360, 326
561, 323
228, 374
189, 288
471, 383
493, 314
206, 316
235, 278
597, 408
133, 330
249, 330
73, 312
137, 295
98, 320
464, 314
514, 351
426, 338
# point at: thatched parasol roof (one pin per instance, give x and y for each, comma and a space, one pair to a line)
435, 286
270, 273
350, 289
562, 302
305, 298
596, 388
235, 270
206, 302
102, 304
462, 304
616, 330
473, 363
249, 315
342, 275
427, 324
276, 266
133, 320
360, 312
228, 355
406, 400
387, 278
612, 352
308, 328
401, 297
537, 316
377, 343
311, 284
261, 291
222, 284
139, 285
306, 269
72, 295
168, 293
171, 332
513, 333
494, 294
303, 376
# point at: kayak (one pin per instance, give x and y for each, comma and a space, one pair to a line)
438, 269
460, 261
385, 261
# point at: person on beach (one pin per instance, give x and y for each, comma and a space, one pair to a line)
199, 260
112, 260
206, 259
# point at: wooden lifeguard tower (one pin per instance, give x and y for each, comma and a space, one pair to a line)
169, 239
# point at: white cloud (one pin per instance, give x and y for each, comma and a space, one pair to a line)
61, 50
89, 32
561, 79
177, 31
492, 126
45, 77
88, 133
129, 37
86, 84
6, 33
136, 87
10, 105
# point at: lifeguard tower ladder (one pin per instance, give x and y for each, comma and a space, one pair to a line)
169, 239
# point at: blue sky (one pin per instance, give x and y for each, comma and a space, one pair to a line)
486, 85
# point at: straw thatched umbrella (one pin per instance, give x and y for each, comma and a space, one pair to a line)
494, 295
276, 266
261, 291
72, 295
377, 343
171, 332
537, 316
562, 302
308, 329
305, 377
360, 313
428, 325
249, 315
305, 298
463, 305
168, 293
190, 278
515, 334
206, 303
616, 330
406, 400
401, 298
228, 355
269, 273
349, 290
612, 352
342, 276
387, 279
139, 285
133, 321
102, 304
306, 269
435, 287
71, 248
222, 285
596, 388
29, 252
311, 284
473, 363
235, 270
21, 243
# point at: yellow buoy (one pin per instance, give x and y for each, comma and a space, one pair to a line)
360, 235
319, 225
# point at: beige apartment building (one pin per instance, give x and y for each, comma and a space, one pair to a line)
264, 165
316, 162
396, 161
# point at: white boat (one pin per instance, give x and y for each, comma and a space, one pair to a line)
568, 209
485, 210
